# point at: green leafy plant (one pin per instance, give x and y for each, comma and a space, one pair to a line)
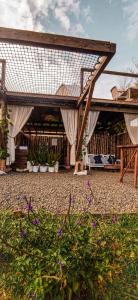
42, 154
3, 154
52, 158
46, 256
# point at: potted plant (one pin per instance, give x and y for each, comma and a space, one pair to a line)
3, 156
51, 162
56, 158
35, 162
43, 160
30, 161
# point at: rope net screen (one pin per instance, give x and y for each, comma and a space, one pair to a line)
0, 72
34, 69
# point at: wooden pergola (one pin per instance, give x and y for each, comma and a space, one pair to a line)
34, 65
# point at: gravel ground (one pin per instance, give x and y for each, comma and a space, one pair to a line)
52, 191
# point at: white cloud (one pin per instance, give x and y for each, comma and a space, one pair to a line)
35, 15
77, 29
131, 12
17, 14
87, 12
60, 14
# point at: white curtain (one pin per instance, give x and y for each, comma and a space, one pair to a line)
18, 117
70, 118
91, 124
132, 130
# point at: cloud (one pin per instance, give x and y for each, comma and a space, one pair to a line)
18, 14
131, 13
37, 15
60, 14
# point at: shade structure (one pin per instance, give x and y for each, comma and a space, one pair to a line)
40, 63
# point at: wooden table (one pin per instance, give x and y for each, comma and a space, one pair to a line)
134, 157
113, 167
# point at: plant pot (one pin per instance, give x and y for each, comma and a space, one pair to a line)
51, 169
3, 165
35, 169
68, 168
43, 169
56, 166
28, 164
30, 169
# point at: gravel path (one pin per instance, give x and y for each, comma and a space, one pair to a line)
52, 191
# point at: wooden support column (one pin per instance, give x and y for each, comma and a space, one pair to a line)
84, 120
136, 169
3, 105
80, 109
121, 164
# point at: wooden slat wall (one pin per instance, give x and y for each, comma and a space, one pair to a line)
102, 143
33, 142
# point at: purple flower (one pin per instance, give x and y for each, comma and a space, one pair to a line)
114, 219
59, 232
34, 296
94, 224
36, 222
29, 207
23, 233
89, 199
88, 185
60, 263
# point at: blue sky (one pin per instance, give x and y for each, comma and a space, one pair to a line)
111, 20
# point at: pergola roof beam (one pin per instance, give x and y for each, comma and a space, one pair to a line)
56, 41
111, 72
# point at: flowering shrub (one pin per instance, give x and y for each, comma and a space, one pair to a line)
68, 257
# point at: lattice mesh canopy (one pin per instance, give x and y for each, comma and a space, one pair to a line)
42, 70
0, 71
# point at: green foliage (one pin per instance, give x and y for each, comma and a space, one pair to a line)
52, 158
120, 127
33, 157
68, 257
3, 153
42, 154
4, 130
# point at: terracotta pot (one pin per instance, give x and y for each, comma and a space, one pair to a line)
3, 165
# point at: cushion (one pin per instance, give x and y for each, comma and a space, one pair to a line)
111, 159
97, 159
91, 158
104, 159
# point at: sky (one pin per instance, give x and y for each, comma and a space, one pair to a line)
110, 20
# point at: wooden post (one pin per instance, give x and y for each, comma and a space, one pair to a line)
136, 169
68, 153
3, 104
121, 164
83, 125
